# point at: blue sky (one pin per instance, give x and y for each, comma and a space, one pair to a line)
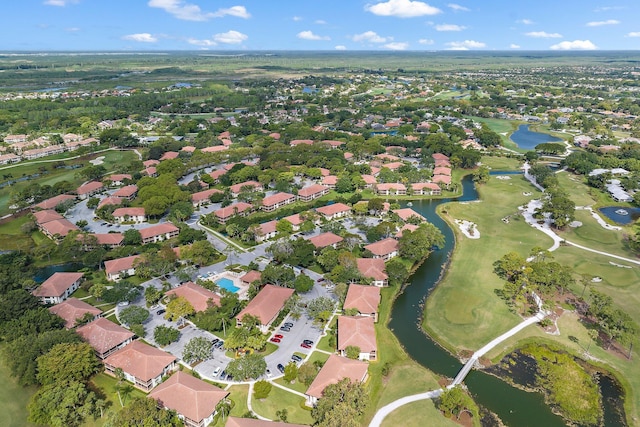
134, 25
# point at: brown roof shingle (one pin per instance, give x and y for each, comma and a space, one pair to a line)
57, 284
140, 360
267, 304
335, 369
73, 309
103, 334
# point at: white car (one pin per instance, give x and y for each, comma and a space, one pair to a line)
216, 372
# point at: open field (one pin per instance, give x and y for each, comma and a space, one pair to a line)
13, 401
463, 310
415, 415
239, 395
280, 399
502, 127
464, 301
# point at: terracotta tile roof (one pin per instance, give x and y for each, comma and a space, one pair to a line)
204, 195
109, 238
89, 187
54, 201
61, 227
118, 177
217, 174
369, 179
334, 370
267, 227
235, 189
169, 155
231, 210
189, 396
393, 166
294, 219
410, 227
276, 198
214, 149
387, 157
73, 309
390, 186
251, 276
446, 179
120, 264
250, 422
46, 216
126, 191
372, 267
333, 143
375, 170
312, 190
140, 360
333, 209
383, 247
363, 298
122, 212
156, 230
150, 162
110, 200
267, 304
188, 149
325, 239
301, 141
103, 334
407, 213
442, 163
329, 180
439, 156
442, 171
324, 172
57, 284
421, 185
358, 331
200, 298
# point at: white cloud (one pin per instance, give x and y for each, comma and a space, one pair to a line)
601, 23
181, 10
141, 37
426, 41
60, 3
237, 11
341, 47
514, 46
230, 37
396, 46
309, 35
634, 34
466, 45
297, 18
543, 35
525, 21
608, 8
458, 8
574, 45
371, 37
402, 9
450, 27
204, 43
320, 22
72, 29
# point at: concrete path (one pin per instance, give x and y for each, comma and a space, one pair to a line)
387, 409
251, 407
288, 389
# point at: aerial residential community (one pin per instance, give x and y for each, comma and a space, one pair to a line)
336, 231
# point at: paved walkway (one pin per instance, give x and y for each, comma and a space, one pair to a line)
251, 407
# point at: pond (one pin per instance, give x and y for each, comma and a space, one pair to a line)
528, 140
620, 214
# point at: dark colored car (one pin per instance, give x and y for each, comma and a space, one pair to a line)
285, 329
161, 311
280, 368
288, 324
215, 341
308, 342
296, 358
218, 344
305, 345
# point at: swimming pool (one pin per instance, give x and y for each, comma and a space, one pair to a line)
227, 284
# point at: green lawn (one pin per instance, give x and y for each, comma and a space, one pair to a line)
106, 384
280, 399
239, 395
13, 400
463, 311
416, 414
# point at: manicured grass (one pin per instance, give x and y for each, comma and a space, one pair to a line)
106, 385
463, 311
405, 380
280, 399
416, 414
238, 394
13, 400
296, 385
502, 163
579, 192
11, 236
316, 355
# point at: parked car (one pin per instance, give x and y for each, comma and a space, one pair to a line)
223, 375
296, 358
280, 368
218, 344
215, 341
278, 336
285, 329
320, 280
288, 324
308, 342
216, 371
161, 311
268, 372
305, 345
274, 339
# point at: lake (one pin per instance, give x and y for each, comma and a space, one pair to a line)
528, 140
611, 212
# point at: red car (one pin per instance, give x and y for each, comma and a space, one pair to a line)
278, 336
274, 339
305, 345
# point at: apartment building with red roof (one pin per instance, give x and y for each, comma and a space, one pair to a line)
136, 215
374, 269
266, 305
200, 298
312, 192
120, 268
363, 298
357, 331
334, 370
104, 336
384, 249
324, 240
72, 310
276, 201
159, 233
142, 364
58, 287
334, 211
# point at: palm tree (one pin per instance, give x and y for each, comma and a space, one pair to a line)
224, 408
119, 373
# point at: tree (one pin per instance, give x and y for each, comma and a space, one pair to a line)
352, 352
261, 389
133, 315
31, 322
306, 373
510, 266
278, 275
93, 202
177, 308
416, 245
132, 237
303, 283
196, 350
320, 309
201, 252
376, 205
248, 366
284, 227
290, 372
396, 271
481, 175
452, 401
152, 295
282, 414
67, 362
165, 335
341, 405
62, 404
144, 412
121, 291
